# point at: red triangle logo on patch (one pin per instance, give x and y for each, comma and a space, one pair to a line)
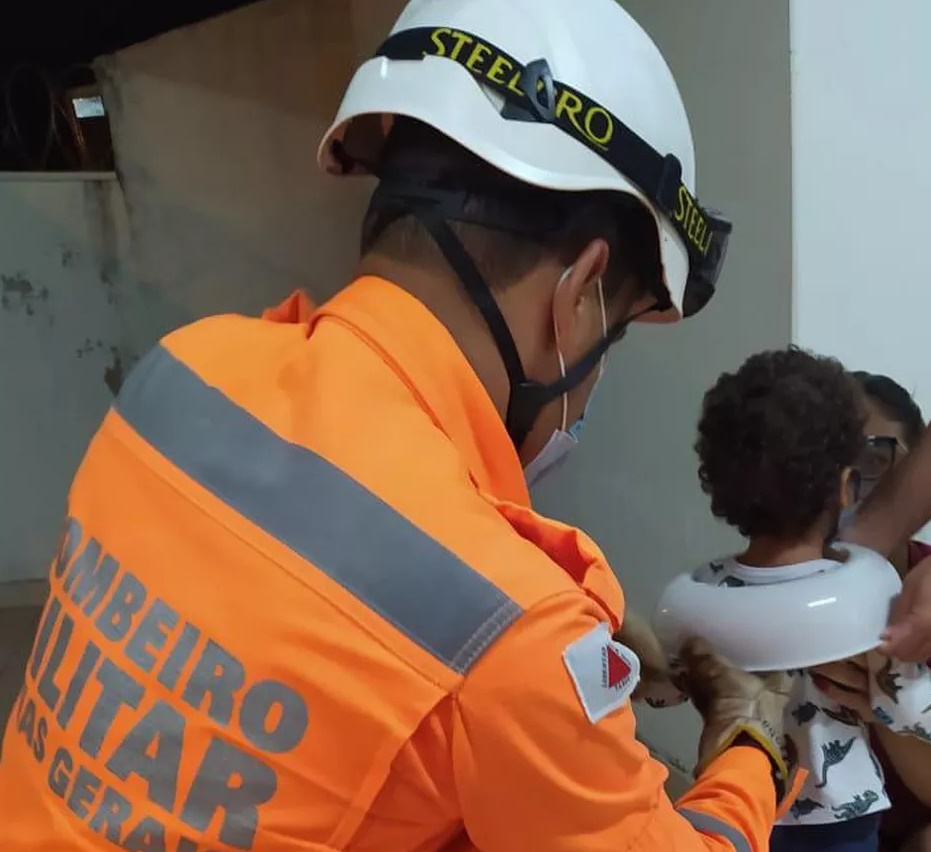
618, 669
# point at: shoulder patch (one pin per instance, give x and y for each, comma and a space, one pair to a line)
604, 672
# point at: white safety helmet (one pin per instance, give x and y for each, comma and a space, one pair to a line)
608, 115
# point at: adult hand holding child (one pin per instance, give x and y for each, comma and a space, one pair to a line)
656, 685
847, 682
737, 706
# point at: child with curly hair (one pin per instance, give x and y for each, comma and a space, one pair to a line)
777, 444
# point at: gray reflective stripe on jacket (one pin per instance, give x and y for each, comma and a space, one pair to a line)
707, 824
308, 504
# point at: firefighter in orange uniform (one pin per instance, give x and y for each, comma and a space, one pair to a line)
301, 600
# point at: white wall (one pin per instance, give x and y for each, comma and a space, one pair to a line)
633, 483
861, 143
64, 304
861, 110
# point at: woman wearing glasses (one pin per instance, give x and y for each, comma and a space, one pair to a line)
894, 424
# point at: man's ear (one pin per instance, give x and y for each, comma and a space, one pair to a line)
575, 302
849, 486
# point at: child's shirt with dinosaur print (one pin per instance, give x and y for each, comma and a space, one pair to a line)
845, 779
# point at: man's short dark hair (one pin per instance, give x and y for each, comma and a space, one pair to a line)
895, 402
504, 257
774, 438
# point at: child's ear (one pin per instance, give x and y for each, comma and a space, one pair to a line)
849, 487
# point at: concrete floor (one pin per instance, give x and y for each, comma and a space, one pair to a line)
17, 629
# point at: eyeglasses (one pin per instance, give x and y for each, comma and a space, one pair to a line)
878, 456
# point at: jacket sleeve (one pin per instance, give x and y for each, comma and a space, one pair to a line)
900, 695
534, 772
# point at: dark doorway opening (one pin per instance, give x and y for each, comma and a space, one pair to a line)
51, 115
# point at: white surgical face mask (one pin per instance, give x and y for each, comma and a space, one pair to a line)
564, 440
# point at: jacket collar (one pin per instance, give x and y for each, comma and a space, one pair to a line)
425, 357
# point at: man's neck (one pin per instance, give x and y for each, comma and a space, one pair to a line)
899, 559
439, 291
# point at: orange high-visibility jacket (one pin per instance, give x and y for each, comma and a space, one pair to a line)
301, 603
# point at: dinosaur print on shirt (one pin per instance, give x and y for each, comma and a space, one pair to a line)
858, 806
888, 681
832, 754
803, 807
805, 712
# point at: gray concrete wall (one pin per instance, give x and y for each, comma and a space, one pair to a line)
216, 128
65, 342
65, 299
222, 208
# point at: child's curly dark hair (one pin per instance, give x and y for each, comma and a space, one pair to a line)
774, 438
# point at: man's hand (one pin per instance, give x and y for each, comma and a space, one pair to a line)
734, 703
637, 635
908, 637
848, 683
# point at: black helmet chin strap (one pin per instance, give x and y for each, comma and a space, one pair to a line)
527, 397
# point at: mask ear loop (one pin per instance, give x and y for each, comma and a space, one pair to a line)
856, 485
604, 325
565, 396
559, 355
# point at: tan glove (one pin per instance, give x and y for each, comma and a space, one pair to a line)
656, 686
734, 705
